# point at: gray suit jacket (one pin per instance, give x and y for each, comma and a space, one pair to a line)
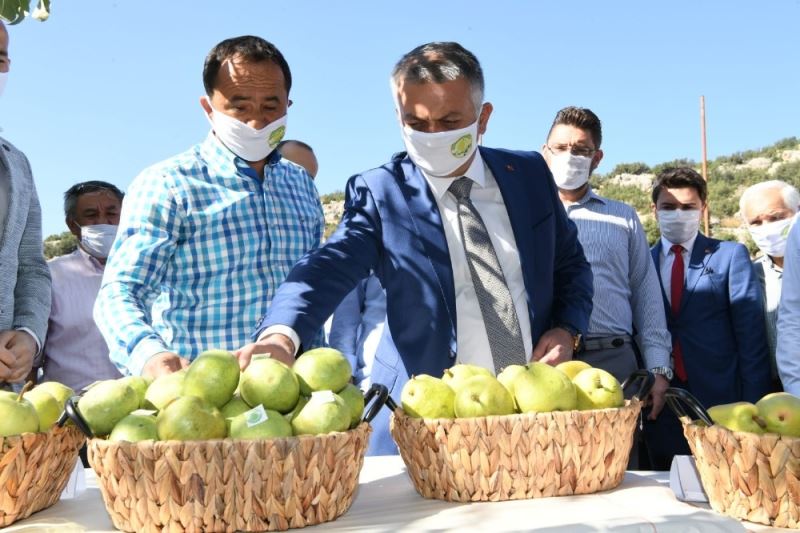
24, 276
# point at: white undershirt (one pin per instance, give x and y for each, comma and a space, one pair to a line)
668, 257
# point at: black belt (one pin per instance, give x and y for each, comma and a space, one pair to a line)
606, 343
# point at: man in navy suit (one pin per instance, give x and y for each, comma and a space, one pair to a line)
713, 306
409, 222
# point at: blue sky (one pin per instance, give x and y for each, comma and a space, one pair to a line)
106, 88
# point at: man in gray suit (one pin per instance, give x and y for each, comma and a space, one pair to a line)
24, 276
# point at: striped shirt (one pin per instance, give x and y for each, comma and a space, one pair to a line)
627, 294
202, 246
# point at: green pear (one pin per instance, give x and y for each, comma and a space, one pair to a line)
425, 396
260, 423
269, 382
135, 427
354, 399
573, 367
542, 388
456, 375
483, 396
781, 413
190, 418
105, 404
233, 408
301, 402
213, 376
48, 408
59, 391
325, 412
322, 369
138, 384
507, 377
17, 416
738, 416
597, 389
164, 389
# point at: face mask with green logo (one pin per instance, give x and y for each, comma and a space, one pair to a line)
245, 141
440, 154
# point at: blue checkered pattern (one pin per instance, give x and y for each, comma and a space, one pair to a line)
202, 246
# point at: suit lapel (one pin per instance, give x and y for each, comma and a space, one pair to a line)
697, 266
427, 223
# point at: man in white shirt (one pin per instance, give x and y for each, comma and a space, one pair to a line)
478, 258
75, 352
713, 307
769, 208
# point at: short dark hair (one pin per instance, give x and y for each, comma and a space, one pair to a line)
294, 141
85, 187
582, 118
248, 47
439, 62
680, 178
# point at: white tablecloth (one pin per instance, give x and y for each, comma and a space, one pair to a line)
386, 501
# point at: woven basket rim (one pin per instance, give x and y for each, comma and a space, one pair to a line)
227, 440
697, 425
629, 404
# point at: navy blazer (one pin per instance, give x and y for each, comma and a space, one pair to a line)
392, 225
720, 324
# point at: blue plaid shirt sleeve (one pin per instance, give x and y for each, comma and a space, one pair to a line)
145, 242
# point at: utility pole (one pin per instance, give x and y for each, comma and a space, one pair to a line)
707, 211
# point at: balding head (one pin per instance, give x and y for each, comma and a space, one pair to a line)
300, 153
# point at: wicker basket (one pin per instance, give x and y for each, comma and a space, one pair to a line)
34, 468
745, 475
519, 456
229, 485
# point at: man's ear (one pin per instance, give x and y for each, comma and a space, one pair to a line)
483, 118
206, 105
73, 227
596, 158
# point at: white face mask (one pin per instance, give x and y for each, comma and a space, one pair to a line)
678, 225
245, 141
97, 239
3, 81
570, 171
771, 237
440, 154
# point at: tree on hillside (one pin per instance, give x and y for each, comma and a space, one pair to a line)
630, 168
61, 244
15, 11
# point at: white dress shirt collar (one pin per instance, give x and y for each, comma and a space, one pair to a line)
666, 246
476, 172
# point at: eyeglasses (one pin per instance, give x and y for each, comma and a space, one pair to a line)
578, 150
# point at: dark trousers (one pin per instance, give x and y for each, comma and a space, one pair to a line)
663, 436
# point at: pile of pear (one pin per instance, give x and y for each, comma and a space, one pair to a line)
468, 391
213, 399
778, 412
32, 411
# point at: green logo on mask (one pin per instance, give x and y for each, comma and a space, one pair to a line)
462, 146
276, 136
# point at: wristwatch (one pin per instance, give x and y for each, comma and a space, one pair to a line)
577, 338
663, 371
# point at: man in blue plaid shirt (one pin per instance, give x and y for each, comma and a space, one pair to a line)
206, 237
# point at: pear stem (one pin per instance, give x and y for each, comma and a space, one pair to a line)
25, 389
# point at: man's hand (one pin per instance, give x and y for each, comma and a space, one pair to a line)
656, 396
278, 347
164, 363
554, 347
17, 349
